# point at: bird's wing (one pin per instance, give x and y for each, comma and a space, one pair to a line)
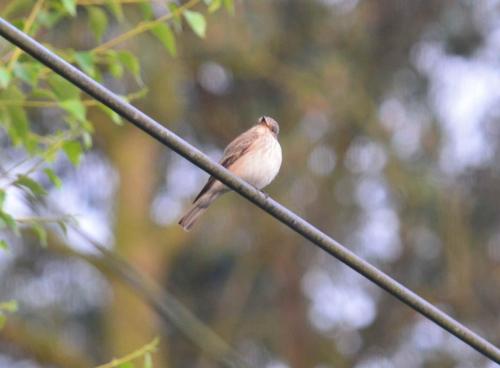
237, 148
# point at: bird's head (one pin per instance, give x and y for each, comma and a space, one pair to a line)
270, 124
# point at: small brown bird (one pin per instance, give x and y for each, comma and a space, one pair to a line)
254, 156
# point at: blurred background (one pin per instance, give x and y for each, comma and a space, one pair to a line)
390, 125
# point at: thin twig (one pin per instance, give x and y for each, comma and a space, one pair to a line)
143, 27
148, 348
27, 27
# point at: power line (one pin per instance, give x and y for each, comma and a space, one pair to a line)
283, 214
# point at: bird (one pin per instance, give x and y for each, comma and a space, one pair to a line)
254, 155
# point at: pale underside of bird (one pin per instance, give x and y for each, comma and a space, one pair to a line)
254, 156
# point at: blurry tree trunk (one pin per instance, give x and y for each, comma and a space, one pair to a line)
457, 245
295, 336
131, 323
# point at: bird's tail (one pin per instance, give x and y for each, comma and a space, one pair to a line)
188, 220
199, 206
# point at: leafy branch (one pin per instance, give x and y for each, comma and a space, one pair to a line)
144, 351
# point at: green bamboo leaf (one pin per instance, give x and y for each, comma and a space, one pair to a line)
35, 188
4, 77
196, 21
75, 108
70, 6
3, 245
41, 234
163, 32
74, 151
53, 177
98, 21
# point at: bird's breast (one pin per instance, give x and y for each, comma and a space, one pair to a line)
260, 165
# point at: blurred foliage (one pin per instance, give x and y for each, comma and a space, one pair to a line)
389, 128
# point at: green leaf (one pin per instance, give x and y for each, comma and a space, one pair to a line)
196, 21
86, 61
70, 6
87, 140
163, 32
2, 321
49, 18
41, 234
130, 62
214, 6
3, 195
74, 152
11, 306
19, 125
115, 118
176, 15
126, 365
14, 117
3, 244
8, 220
116, 70
28, 72
4, 77
35, 188
75, 108
148, 361
63, 89
43, 94
116, 8
98, 21
229, 5
53, 177
147, 11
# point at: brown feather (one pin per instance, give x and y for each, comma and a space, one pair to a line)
237, 148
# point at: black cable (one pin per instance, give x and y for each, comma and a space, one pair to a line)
283, 214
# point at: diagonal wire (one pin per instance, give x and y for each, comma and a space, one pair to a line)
283, 214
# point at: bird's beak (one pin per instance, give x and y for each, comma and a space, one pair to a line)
262, 120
